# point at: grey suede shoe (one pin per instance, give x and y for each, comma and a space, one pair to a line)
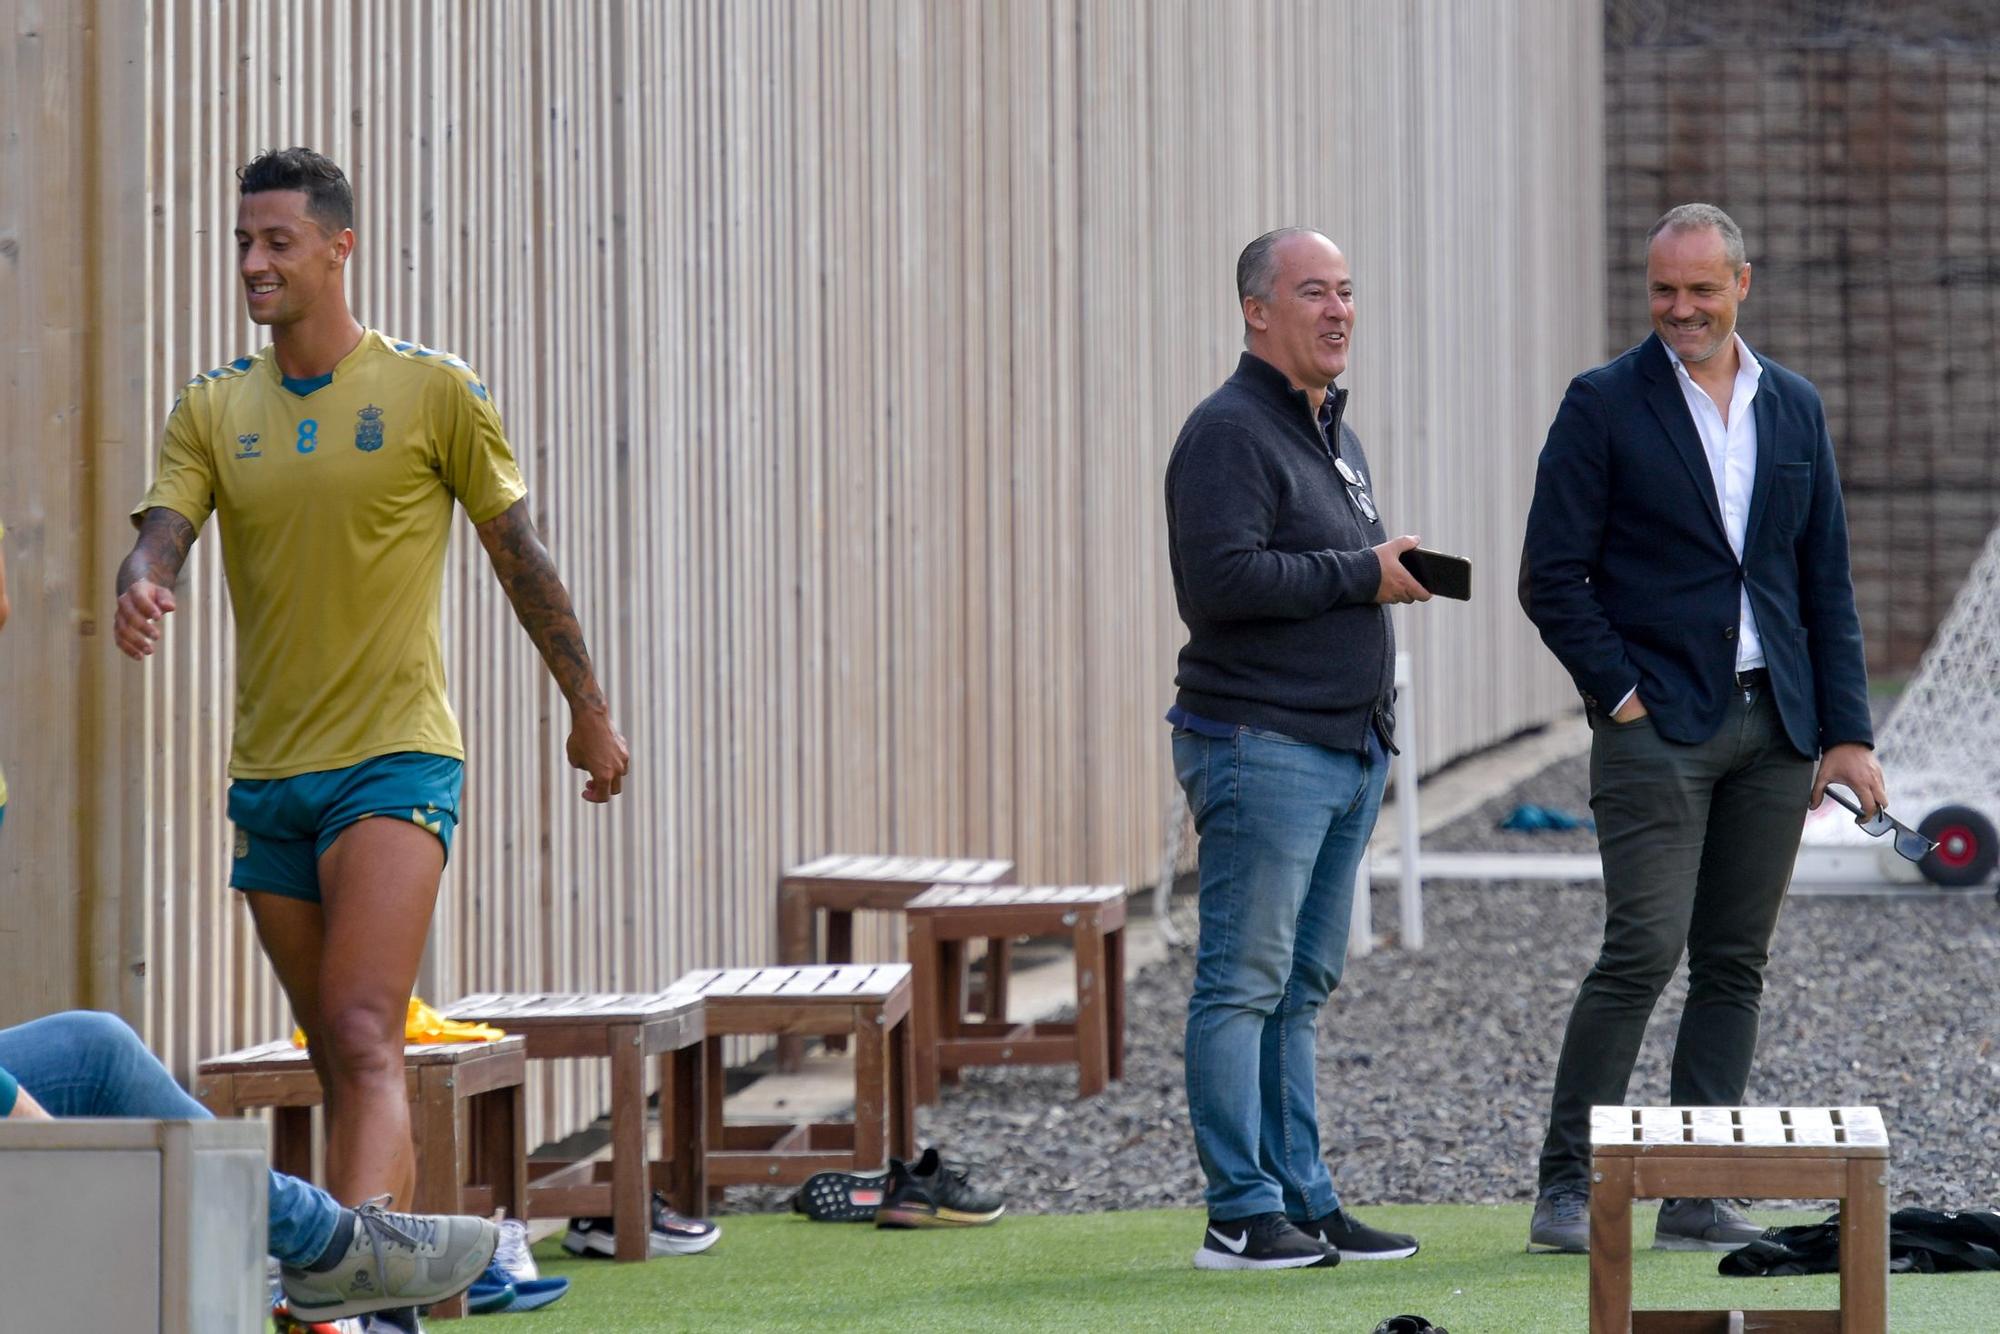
1702, 1225
394, 1261
1561, 1221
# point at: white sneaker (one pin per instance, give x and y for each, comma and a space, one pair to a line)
514, 1258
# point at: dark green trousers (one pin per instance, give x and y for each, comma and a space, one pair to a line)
1698, 845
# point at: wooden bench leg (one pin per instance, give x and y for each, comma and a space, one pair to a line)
497, 1127
953, 1000
1114, 999
1093, 1045
1864, 1248
795, 946
930, 985
871, 1102
712, 1091
436, 1126
292, 1142
902, 1091
630, 1218
1611, 1246
436, 1122
682, 1143
993, 994
839, 949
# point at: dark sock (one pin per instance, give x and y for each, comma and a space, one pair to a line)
336, 1247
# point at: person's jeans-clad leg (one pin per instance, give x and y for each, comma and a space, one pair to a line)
85, 1063
1265, 808
1288, 1093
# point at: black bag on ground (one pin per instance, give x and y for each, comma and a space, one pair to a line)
1921, 1241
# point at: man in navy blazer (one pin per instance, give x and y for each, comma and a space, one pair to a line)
1686, 561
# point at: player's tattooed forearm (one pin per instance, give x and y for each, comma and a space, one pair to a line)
165, 538
541, 602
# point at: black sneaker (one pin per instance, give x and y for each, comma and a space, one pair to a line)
841, 1197
1267, 1241
1703, 1225
672, 1234
1561, 1220
934, 1193
1355, 1240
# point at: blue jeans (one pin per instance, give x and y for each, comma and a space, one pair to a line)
88, 1064
1283, 825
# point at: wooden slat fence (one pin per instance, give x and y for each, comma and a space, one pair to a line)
842, 343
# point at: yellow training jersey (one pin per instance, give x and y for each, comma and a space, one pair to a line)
335, 506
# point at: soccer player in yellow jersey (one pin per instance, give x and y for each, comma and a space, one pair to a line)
332, 459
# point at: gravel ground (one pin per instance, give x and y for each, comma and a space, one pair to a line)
1435, 1068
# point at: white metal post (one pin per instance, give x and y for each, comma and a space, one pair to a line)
1410, 895
1360, 922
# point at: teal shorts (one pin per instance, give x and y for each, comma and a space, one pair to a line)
284, 825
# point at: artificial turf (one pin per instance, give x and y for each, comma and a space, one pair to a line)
1132, 1271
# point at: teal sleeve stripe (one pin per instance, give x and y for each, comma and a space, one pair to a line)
10, 1091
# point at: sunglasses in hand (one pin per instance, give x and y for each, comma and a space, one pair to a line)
1910, 845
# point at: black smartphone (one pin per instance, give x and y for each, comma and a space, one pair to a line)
1445, 576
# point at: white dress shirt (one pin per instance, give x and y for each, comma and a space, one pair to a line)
1732, 464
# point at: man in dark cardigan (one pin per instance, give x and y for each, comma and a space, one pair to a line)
1282, 728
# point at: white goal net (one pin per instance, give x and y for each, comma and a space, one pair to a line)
1941, 743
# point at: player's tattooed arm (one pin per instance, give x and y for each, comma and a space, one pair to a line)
528, 575
542, 603
165, 538
147, 579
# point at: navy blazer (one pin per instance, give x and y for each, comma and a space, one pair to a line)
1626, 569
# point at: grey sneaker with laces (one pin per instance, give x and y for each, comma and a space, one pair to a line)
1561, 1221
394, 1260
1703, 1225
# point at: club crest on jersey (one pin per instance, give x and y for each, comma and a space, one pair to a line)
246, 446
368, 430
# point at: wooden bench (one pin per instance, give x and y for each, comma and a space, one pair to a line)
1766, 1152
466, 1119
627, 1031
843, 884
870, 1004
1091, 917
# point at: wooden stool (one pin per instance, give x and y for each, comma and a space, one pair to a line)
870, 1003
843, 885
943, 918
1769, 1152
466, 1118
627, 1030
